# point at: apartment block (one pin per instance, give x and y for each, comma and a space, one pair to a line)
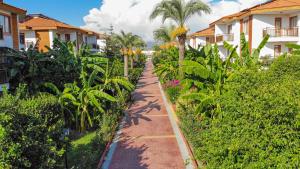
278, 18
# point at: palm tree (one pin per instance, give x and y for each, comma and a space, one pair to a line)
138, 44
179, 11
164, 34
126, 41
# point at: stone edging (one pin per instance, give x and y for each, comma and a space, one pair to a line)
182, 143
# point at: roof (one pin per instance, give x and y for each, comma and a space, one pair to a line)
276, 5
269, 6
6, 7
205, 32
42, 22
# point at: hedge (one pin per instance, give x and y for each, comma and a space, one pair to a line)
30, 131
259, 125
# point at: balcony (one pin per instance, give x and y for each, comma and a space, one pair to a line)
210, 40
225, 37
281, 32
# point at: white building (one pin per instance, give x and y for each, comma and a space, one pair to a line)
203, 37
40, 30
278, 18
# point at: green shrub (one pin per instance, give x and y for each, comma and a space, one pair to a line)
29, 132
173, 93
134, 75
259, 124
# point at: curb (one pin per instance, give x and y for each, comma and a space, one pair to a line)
184, 148
107, 156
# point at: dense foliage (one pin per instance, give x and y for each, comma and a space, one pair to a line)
236, 112
30, 131
68, 91
258, 126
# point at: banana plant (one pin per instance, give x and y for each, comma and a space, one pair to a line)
205, 77
246, 59
116, 84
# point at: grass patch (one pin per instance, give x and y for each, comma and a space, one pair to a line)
86, 139
85, 152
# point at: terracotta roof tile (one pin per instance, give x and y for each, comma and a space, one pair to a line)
7, 7
205, 32
43, 22
269, 6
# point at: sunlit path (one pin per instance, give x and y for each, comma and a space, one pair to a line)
147, 139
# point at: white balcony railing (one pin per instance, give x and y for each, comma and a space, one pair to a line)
225, 37
281, 32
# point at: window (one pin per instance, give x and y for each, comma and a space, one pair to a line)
293, 22
246, 26
229, 29
5, 23
22, 38
67, 37
278, 24
1, 32
58, 36
277, 50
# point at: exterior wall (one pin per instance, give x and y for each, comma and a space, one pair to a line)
102, 44
44, 40
7, 41
268, 50
7, 38
52, 36
255, 36
260, 22
222, 29
222, 52
92, 42
30, 38
200, 41
73, 36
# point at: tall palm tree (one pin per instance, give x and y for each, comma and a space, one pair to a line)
138, 44
164, 34
179, 11
126, 41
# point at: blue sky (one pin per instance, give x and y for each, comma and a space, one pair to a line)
69, 11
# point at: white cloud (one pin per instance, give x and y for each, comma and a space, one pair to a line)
133, 15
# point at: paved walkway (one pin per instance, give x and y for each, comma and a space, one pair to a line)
147, 140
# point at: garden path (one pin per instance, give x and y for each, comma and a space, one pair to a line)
146, 139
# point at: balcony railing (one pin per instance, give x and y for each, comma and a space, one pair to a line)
225, 37
281, 32
210, 40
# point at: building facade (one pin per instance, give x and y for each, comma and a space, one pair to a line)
40, 30
278, 18
9, 37
9, 31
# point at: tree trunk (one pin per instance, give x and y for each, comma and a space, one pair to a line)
181, 40
126, 66
131, 60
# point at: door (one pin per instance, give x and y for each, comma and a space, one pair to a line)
293, 30
277, 50
278, 24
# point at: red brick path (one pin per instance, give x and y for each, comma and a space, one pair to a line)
147, 139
